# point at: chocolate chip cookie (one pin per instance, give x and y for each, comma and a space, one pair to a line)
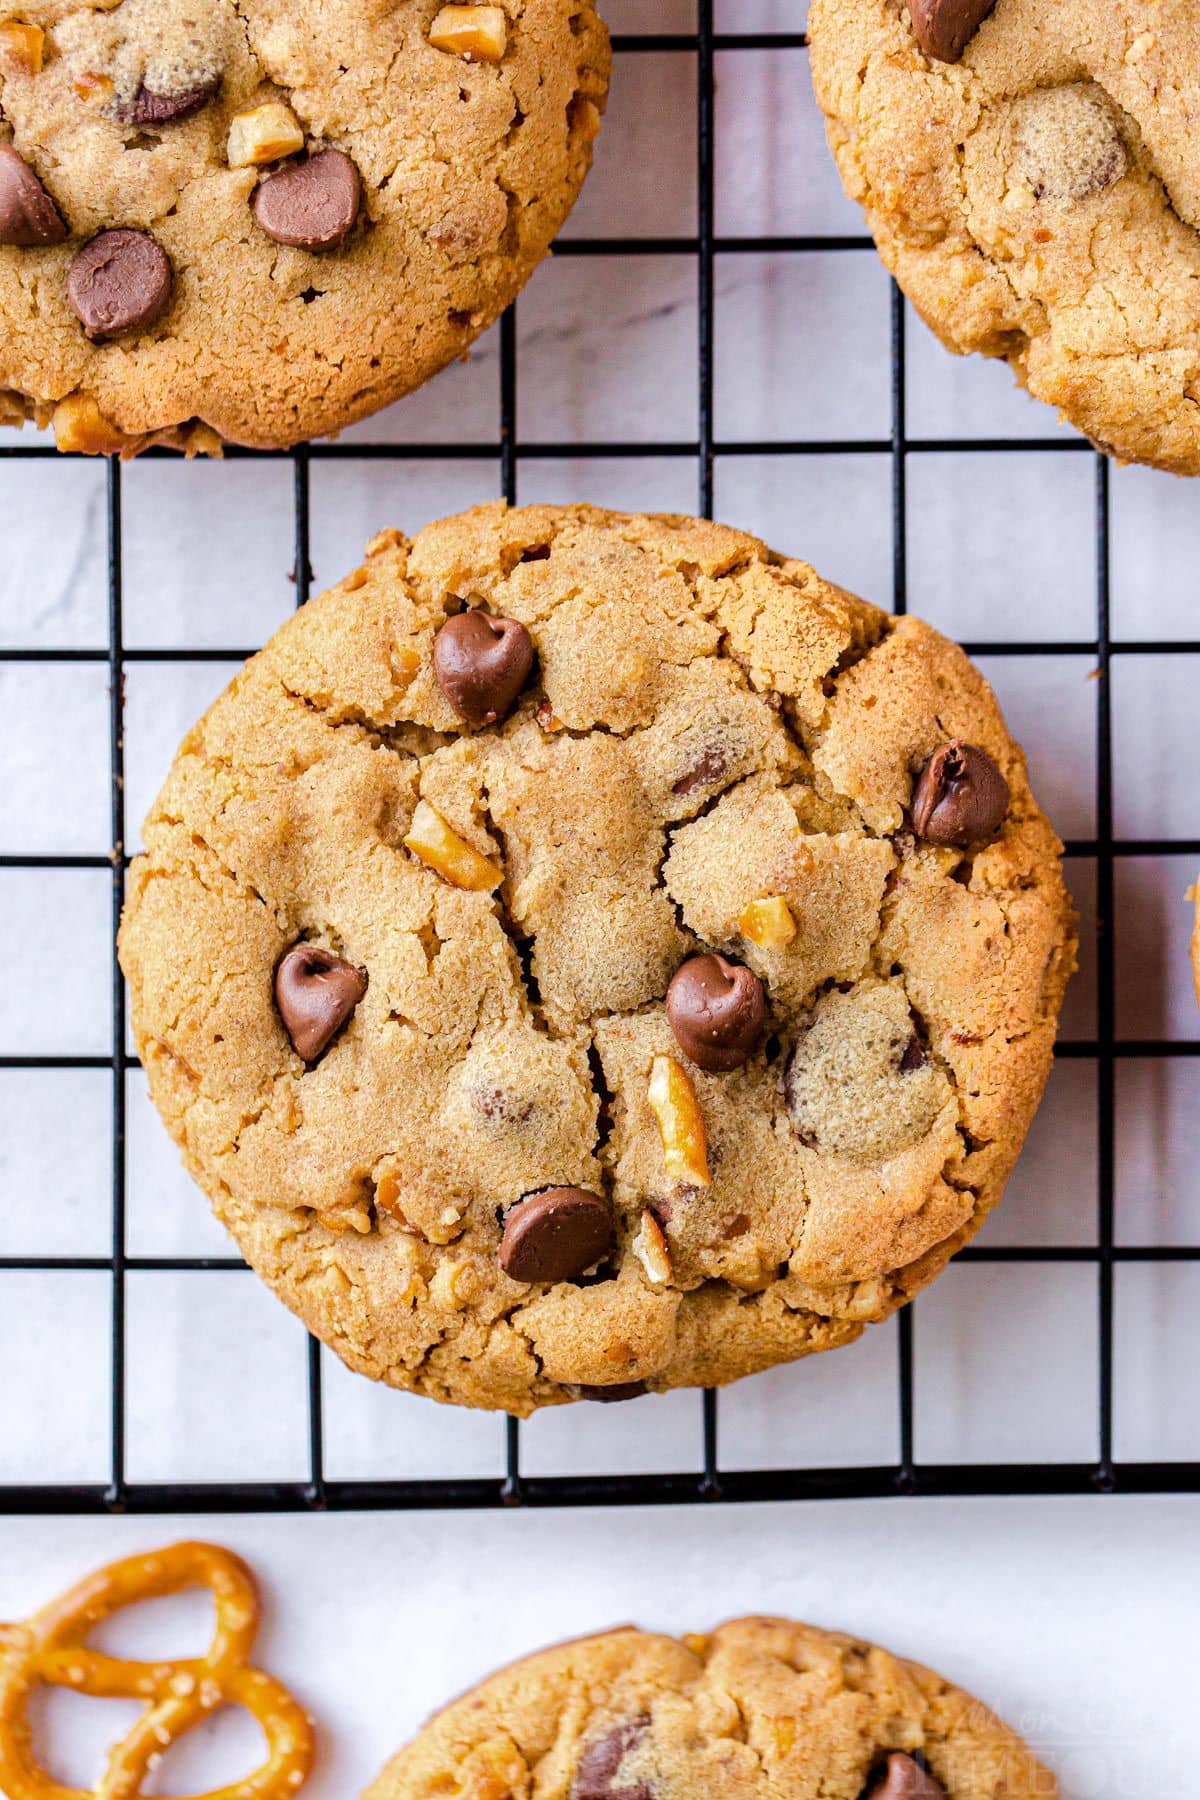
585, 953
1029, 171
758, 1708
252, 221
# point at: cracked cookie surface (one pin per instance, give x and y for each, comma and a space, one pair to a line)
1039, 199
707, 726
759, 1707
442, 179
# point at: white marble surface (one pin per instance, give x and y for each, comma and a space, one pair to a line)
1021, 1599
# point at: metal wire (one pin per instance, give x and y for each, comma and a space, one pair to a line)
710, 1481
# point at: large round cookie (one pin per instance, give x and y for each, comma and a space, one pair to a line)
319, 203
761, 1709
398, 981
1031, 175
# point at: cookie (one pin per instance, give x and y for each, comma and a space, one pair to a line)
255, 221
759, 1707
1028, 170
586, 952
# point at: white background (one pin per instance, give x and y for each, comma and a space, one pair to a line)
1071, 1612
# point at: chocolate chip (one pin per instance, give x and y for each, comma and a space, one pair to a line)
620, 1390
703, 773
944, 28
555, 1235
316, 992
914, 1056
481, 664
119, 282
1067, 144
717, 1011
149, 108
312, 204
598, 1776
960, 796
904, 1779
28, 216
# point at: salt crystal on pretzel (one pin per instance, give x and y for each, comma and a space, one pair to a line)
49, 1650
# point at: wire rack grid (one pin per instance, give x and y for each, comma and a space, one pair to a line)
710, 1481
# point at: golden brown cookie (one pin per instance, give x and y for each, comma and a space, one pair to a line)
255, 221
1030, 174
760, 1709
585, 950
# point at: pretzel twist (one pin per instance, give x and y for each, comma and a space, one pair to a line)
48, 1650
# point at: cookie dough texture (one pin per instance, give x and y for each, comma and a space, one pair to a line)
1040, 199
707, 723
468, 169
760, 1707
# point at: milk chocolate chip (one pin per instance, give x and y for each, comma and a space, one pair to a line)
619, 1390
905, 1779
598, 1776
119, 282
944, 28
316, 992
28, 216
960, 796
716, 1010
312, 204
555, 1235
150, 108
1067, 144
481, 664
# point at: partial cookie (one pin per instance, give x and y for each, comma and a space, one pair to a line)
1028, 169
760, 1709
585, 953
252, 221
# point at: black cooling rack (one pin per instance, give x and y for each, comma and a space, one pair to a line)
710, 1482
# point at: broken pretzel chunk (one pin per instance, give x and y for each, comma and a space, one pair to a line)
79, 425
768, 922
90, 86
440, 848
650, 1248
478, 33
680, 1123
22, 48
263, 135
585, 118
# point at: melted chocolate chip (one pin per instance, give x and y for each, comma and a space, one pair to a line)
914, 1056
119, 282
708, 769
310, 205
481, 664
620, 1390
316, 992
555, 1235
598, 1776
904, 1779
944, 28
960, 796
717, 1011
150, 108
28, 216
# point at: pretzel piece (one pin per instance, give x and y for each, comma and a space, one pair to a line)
49, 1650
